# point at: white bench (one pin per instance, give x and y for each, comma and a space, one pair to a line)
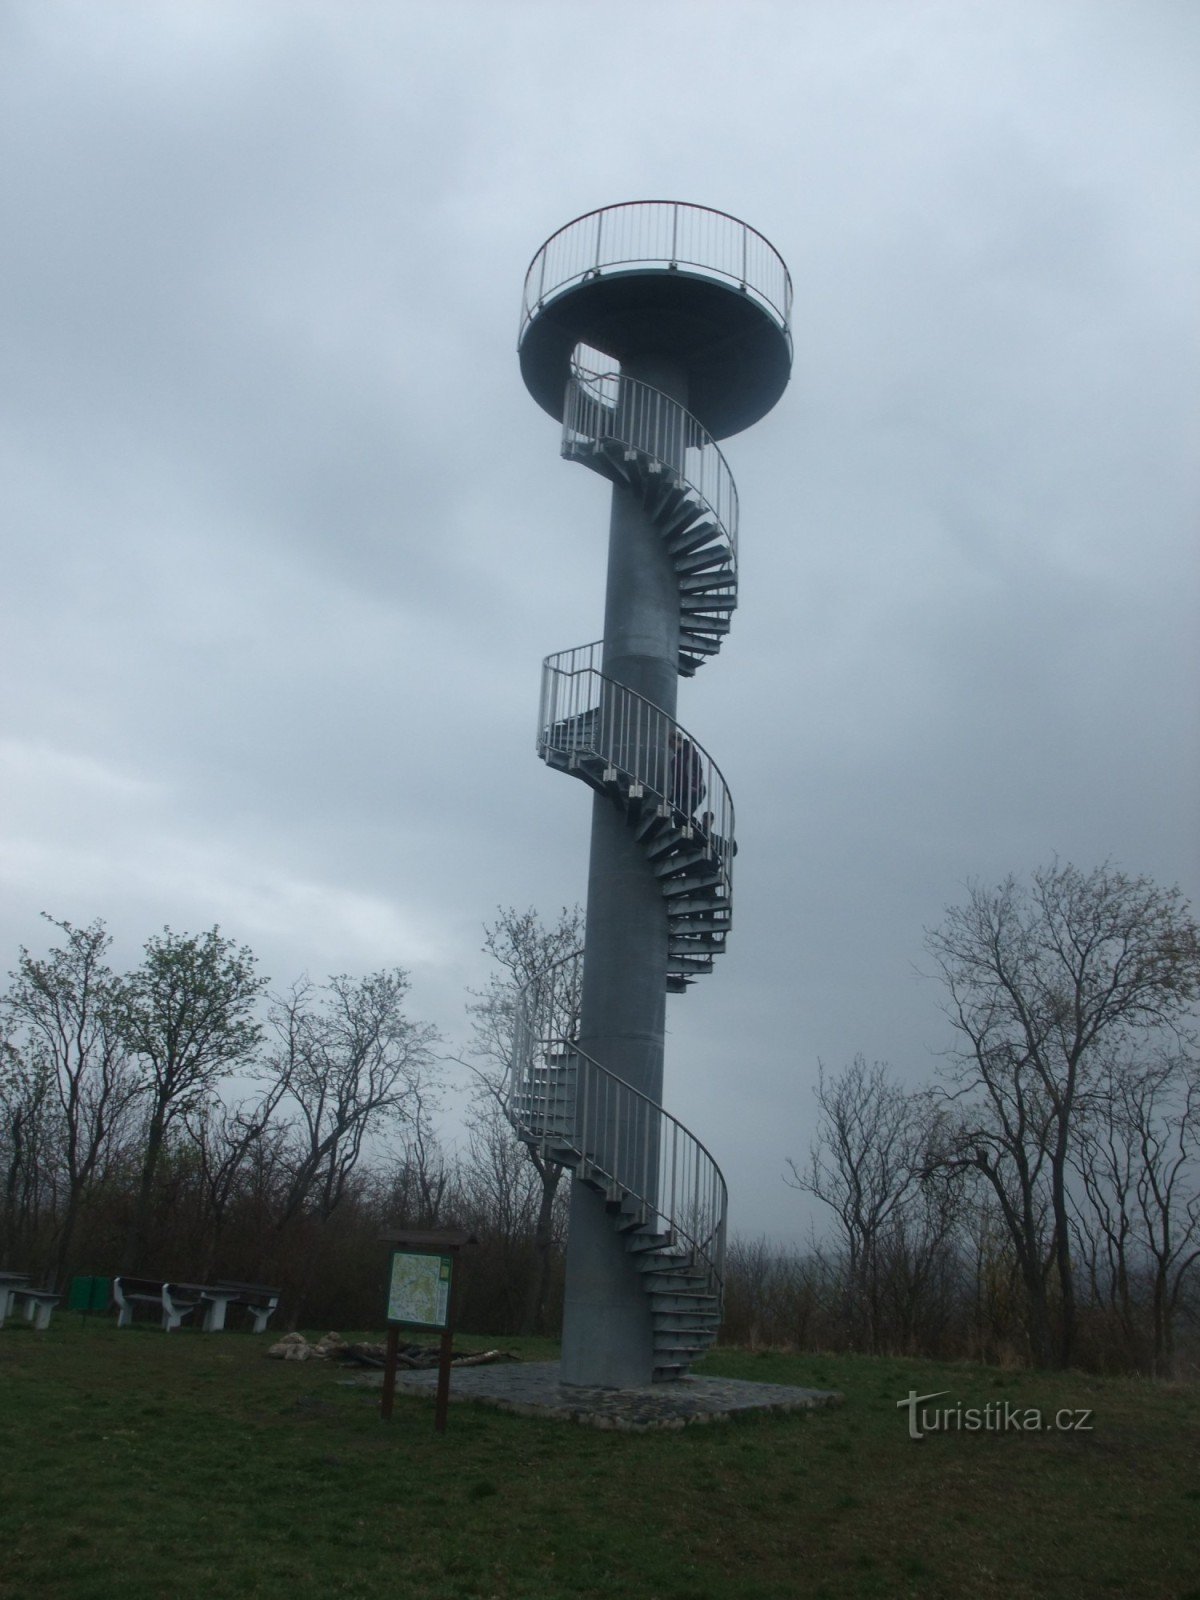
256, 1298
8, 1282
178, 1300
174, 1300
38, 1305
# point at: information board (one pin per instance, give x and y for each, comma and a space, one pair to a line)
419, 1289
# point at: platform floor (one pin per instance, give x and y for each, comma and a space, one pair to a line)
534, 1389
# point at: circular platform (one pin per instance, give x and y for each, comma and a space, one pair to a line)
661, 278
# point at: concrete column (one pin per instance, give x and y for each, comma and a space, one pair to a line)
607, 1332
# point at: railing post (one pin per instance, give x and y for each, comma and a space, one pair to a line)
675, 234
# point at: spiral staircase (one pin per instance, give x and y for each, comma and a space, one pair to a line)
663, 1192
661, 1188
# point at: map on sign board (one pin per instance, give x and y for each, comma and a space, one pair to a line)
419, 1289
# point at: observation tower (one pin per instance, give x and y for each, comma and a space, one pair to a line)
649, 331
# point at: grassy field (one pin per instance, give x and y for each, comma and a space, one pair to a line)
191, 1466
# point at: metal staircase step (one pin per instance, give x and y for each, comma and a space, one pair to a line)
698, 922
684, 1323
699, 852
668, 497
687, 885
677, 1273
642, 1239
685, 964
652, 825
689, 535
690, 938
673, 1349
676, 1298
706, 568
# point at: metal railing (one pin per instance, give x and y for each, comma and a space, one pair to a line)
663, 233
558, 1092
583, 713
603, 406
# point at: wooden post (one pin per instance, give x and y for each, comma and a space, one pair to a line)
444, 1355
389, 1374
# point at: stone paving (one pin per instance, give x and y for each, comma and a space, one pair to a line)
533, 1389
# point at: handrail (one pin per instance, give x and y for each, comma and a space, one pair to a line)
666, 233
609, 405
622, 1134
584, 712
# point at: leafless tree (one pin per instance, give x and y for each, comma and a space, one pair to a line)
1044, 985
865, 1164
1138, 1159
348, 1063
240, 1155
526, 950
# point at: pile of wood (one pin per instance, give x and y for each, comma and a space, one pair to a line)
295, 1347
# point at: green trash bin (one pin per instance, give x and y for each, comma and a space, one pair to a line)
89, 1294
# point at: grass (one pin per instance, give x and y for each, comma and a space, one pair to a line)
190, 1466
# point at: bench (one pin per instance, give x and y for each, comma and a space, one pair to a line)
174, 1300
38, 1305
256, 1298
178, 1300
9, 1282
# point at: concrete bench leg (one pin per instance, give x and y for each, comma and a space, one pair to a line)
174, 1312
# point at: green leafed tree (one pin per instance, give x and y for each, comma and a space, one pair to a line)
65, 1014
189, 1021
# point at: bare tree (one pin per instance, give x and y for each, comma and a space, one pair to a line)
239, 1151
67, 1014
1044, 984
1138, 1159
348, 1063
526, 950
865, 1164
428, 1182
189, 1019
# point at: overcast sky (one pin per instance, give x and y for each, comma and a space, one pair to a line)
285, 538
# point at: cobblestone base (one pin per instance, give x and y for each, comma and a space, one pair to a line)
533, 1389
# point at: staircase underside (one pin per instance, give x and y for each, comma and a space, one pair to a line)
689, 863
703, 557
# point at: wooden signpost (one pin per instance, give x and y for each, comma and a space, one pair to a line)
422, 1279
